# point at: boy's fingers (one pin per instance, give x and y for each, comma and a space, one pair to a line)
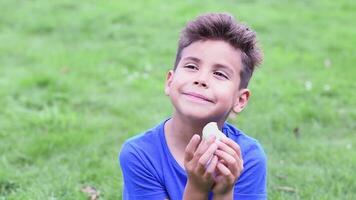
225, 156
203, 146
229, 142
204, 159
191, 148
225, 172
234, 153
237, 149
211, 167
224, 147
233, 164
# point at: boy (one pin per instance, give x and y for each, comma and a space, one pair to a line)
215, 59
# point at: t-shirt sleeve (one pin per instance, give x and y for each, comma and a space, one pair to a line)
252, 184
140, 179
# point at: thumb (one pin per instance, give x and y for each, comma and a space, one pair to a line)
191, 148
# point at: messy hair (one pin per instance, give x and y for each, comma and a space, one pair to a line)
222, 26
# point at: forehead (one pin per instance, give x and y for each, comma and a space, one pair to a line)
214, 52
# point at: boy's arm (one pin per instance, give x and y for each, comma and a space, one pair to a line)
198, 155
139, 179
190, 192
227, 196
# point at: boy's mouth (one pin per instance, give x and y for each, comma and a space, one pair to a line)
197, 96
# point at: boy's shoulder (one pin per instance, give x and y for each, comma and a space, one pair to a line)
249, 146
145, 140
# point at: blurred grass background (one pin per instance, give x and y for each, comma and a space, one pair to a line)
77, 78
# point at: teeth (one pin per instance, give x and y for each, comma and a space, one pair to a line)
212, 129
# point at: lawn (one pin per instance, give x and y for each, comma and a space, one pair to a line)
77, 78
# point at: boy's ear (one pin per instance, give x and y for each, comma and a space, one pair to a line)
168, 82
242, 100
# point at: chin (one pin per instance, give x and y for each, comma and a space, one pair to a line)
197, 116
196, 112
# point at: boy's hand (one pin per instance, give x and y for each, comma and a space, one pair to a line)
229, 166
200, 163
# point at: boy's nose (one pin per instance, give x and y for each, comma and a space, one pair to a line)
200, 83
201, 79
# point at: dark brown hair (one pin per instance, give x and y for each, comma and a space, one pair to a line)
222, 26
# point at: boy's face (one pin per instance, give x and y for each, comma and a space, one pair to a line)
205, 84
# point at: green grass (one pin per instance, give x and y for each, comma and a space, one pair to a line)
80, 77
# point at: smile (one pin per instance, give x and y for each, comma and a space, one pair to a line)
197, 97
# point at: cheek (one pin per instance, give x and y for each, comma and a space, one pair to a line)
226, 88
176, 87
179, 82
225, 92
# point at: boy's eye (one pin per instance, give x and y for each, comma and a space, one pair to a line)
221, 74
191, 66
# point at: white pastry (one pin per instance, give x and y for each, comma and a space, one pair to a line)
212, 129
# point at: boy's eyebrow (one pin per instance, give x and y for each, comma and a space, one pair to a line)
228, 69
193, 59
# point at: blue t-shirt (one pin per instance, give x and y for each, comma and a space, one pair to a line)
151, 172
